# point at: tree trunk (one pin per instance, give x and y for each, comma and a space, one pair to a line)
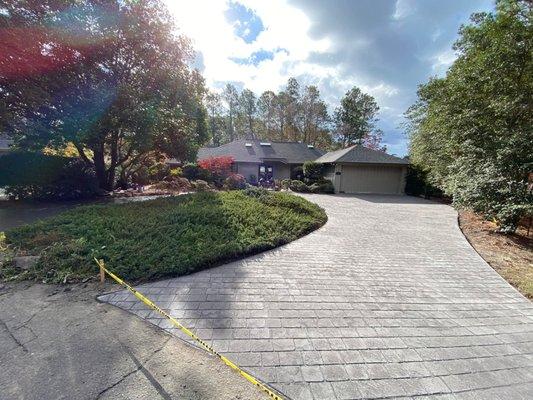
110, 175
103, 175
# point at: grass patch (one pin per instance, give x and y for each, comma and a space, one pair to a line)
163, 237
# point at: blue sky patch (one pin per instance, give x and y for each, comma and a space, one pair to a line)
246, 24
255, 58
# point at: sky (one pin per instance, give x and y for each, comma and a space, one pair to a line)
385, 47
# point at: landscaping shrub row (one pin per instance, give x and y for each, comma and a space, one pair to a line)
38, 176
320, 186
163, 237
313, 180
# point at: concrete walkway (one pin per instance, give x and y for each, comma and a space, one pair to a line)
387, 300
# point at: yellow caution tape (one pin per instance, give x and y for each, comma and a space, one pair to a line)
189, 333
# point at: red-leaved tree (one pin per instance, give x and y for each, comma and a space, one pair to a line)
217, 166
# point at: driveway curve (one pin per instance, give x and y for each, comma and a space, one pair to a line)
387, 300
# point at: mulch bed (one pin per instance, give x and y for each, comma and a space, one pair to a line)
510, 255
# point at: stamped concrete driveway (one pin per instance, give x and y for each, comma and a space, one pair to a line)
387, 300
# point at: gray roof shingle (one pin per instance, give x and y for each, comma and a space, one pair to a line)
361, 154
286, 152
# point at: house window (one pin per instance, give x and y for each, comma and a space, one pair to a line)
266, 172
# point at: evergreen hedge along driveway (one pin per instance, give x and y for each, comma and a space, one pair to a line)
163, 237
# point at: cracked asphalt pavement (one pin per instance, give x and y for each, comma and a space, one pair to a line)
58, 342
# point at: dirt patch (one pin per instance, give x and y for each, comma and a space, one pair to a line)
510, 255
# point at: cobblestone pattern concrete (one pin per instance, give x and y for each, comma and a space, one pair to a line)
387, 300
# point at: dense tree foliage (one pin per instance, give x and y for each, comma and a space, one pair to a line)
293, 114
112, 80
472, 130
111, 77
217, 121
39, 176
355, 120
231, 97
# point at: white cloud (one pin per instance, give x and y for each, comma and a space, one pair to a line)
204, 22
382, 90
442, 61
286, 27
436, 35
403, 9
385, 48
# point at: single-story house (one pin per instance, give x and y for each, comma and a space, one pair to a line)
256, 159
358, 169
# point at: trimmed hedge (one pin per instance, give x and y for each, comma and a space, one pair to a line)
298, 186
192, 172
313, 171
321, 186
164, 237
38, 176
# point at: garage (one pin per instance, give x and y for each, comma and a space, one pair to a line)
359, 169
370, 179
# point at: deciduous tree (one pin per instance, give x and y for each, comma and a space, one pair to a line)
231, 97
217, 123
472, 130
355, 118
266, 106
248, 107
110, 77
314, 118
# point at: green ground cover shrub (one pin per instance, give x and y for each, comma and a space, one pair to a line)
319, 186
298, 186
256, 192
322, 186
163, 237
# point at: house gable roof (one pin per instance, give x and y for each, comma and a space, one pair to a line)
255, 152
361, 154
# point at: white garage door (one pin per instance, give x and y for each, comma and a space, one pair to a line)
371, 179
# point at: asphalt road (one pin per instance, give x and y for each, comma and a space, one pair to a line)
58, 342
